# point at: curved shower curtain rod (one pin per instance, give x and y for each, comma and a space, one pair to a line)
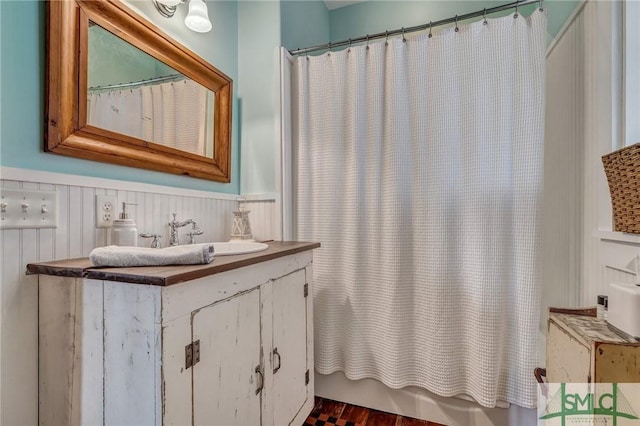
172, 77
403, 31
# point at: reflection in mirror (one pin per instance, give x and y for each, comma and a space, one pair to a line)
74, 131
133, 93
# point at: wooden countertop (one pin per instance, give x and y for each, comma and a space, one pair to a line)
167, 275
589, 330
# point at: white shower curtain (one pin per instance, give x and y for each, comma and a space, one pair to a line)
418, 167
172, 114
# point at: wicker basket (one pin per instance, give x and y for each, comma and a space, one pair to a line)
623, 174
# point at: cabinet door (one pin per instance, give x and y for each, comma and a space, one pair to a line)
290, 340
225, 380
568, 361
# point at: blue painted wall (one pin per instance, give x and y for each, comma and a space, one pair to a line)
260, 26
264, 26
377, 16
259, 94
304, 23
113, 61
22, 62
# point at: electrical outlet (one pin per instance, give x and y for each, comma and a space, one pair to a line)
105, 210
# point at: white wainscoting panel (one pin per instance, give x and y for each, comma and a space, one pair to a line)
619, 263
75, 236
612, 274
603, 125
599, 123
585, 120
265, 224
564, 151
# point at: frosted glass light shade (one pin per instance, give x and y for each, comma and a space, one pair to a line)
169, 2
198, 18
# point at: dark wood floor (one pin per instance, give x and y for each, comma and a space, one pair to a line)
327, 412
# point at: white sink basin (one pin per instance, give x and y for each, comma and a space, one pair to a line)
240, 247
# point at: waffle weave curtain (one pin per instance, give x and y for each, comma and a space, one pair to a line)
171, 114
418, 166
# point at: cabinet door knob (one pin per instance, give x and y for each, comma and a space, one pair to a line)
261, 381
275, 353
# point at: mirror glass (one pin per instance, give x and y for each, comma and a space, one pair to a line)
132, 93
179, 120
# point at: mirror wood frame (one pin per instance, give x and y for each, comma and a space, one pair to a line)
67, 131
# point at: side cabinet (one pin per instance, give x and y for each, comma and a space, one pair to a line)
585, 349
234, 348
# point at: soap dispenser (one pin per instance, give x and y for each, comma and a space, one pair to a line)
124, 232
241, 228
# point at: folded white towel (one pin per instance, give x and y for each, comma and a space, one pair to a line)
122, 257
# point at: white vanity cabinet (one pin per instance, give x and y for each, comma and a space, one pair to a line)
230, 348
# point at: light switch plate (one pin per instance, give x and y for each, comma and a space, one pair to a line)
28, 208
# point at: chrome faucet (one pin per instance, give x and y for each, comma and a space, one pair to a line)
174, 225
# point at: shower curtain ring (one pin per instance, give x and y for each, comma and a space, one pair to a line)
404, 40
349, 50
516, 14
329, 52
367, 41
430, 26
457, 29
540, 6
484, 15
386, 37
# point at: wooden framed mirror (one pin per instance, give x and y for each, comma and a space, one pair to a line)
94, 113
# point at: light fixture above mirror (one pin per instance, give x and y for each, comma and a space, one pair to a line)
197, 18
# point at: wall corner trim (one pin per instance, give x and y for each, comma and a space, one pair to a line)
566, 26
